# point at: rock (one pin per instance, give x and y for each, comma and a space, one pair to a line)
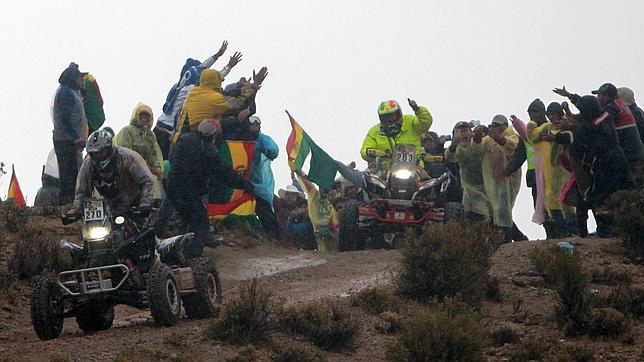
529, 281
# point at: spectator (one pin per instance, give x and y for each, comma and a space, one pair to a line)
266, 150
189, 75
498, 143
293, 218
322, 214
48, 193
93, 103
627, 95
70, 126
595, 138
469, 158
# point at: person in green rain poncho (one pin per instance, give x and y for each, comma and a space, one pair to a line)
469, 157
555, 176
93, 103
498, 142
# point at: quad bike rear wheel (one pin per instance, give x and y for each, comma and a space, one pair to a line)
205, 302
47, 309
163, 295
95, 316
350, 237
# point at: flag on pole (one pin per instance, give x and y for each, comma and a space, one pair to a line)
14, 190
322, 168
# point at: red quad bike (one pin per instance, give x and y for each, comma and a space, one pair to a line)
398, 202
122, 262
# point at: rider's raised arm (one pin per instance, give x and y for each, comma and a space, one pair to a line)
422, 121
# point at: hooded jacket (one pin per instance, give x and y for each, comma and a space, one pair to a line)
469, 157
68, 113
206, 101
266, 150
413, 126
141, 139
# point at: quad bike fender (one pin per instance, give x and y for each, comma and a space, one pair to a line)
185, 278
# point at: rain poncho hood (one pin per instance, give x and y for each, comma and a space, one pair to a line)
141, 139
211, 79
189, 75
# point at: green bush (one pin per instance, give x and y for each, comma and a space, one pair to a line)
434, 334
448, 260
627, 300
36, 252
532, 348
608, 322
245, 319
328, 325
611, 277
375, 300
626, 212
297, 352
503, 335
564, 272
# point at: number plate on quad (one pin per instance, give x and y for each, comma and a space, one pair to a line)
94, 210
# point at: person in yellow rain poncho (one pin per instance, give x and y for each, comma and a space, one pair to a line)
498, 143
562, 217
395, 128
322, 214
206, 101
138, 137
469, 157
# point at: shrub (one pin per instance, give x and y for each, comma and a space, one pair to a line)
629, 301
447, 260
8, 287
503, 335
135, 354
245, 319
493, 291
297, 352
375, 300
433, 334
532, 348
565, 273
36, 253
388, 323
608, 322
611, 277
626, 211
328, 325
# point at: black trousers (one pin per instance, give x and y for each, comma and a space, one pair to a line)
163, 139
266, 216
194, 216
68, 159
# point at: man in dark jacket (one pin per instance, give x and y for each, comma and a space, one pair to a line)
69, 130
627, 95
194, 164
596, 139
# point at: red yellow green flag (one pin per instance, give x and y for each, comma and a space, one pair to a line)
322, 167
15, 193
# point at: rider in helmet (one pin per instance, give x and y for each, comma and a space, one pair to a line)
120, 176
395, 128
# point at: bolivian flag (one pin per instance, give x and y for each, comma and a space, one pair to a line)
322, 167
234, 203
14, 192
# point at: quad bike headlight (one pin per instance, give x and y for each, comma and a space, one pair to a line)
97, 232
403, 174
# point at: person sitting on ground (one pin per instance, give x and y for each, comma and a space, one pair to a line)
194, 164
266, 150
469, 158
188, 77
120, 176
138, 136
293, 218
206, 101
395, 128
322, 214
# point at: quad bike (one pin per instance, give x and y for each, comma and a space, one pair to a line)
122, 262
399, 201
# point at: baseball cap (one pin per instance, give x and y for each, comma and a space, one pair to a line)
463, 124
208, 127
499, 120
608, 89
627, 95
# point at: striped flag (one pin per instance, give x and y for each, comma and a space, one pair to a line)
234, 203
322, 168
15, 193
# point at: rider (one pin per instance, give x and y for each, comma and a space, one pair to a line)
120, 175
395, 128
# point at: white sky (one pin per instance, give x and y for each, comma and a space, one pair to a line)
330, 62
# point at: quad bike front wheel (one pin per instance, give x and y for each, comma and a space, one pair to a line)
163, 295
350, 237
95, 316
205, 301
47, 309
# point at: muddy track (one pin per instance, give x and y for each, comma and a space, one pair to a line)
296, 276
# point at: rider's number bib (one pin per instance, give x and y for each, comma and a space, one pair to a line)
94, 210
